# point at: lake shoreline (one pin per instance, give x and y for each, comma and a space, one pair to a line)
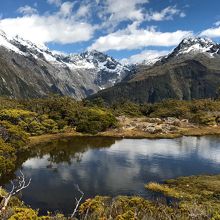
195, 196
184, 188
114, 133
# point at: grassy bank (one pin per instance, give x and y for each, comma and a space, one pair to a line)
197, 197
198, 131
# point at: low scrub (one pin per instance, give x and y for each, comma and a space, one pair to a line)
93, 120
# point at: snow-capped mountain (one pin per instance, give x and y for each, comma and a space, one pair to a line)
197, 45
190, 47
152, 61
193, 46
41, 71
190, 71
30, 70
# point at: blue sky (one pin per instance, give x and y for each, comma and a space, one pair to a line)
129, 29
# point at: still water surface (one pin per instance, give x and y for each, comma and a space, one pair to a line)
107, 166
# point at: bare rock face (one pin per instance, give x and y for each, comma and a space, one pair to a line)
153, 125
29, 70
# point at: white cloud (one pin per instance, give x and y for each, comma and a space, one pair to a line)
122, 10
182, 14
27, 10
116, 11
149, 56
211, 32
134, 38
74, 22
165, 14
66, 8
55, 2
50, 28
83, 11
217, 23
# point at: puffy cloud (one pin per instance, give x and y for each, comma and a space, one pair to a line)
149, 56
212, 32
166, 14
62, 26
121, 10
134, 38
50, 28
27, 10
75, 21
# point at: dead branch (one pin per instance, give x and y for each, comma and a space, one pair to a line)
16, 188
77, 201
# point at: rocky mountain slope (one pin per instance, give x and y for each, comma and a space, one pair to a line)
190, 71
28, 70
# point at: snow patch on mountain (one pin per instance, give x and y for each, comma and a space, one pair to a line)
197, 45
77, 75
5, 42
87, 60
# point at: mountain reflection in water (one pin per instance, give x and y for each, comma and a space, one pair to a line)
108, 166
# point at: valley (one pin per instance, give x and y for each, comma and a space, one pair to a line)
66, 140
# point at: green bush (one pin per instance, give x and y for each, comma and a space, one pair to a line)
94, 120
14, 135
36, 128
16, 115
204, 118
6, 103
7, 158
50, 126
126, 108
56, 107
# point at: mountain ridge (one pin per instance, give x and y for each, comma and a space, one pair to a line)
29, 70
190, 71
77, 75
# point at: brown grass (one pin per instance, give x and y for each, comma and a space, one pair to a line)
49, 137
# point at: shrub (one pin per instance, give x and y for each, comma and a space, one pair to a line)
55, 107
24, 213
94, 120
6, 103
204, 118
36, 128
50, 126
7, 157
126, 108
13, 134
16, 115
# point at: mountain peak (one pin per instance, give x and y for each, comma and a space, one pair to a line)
194, 40
95, 55
192, 46
195, 45
198, 41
